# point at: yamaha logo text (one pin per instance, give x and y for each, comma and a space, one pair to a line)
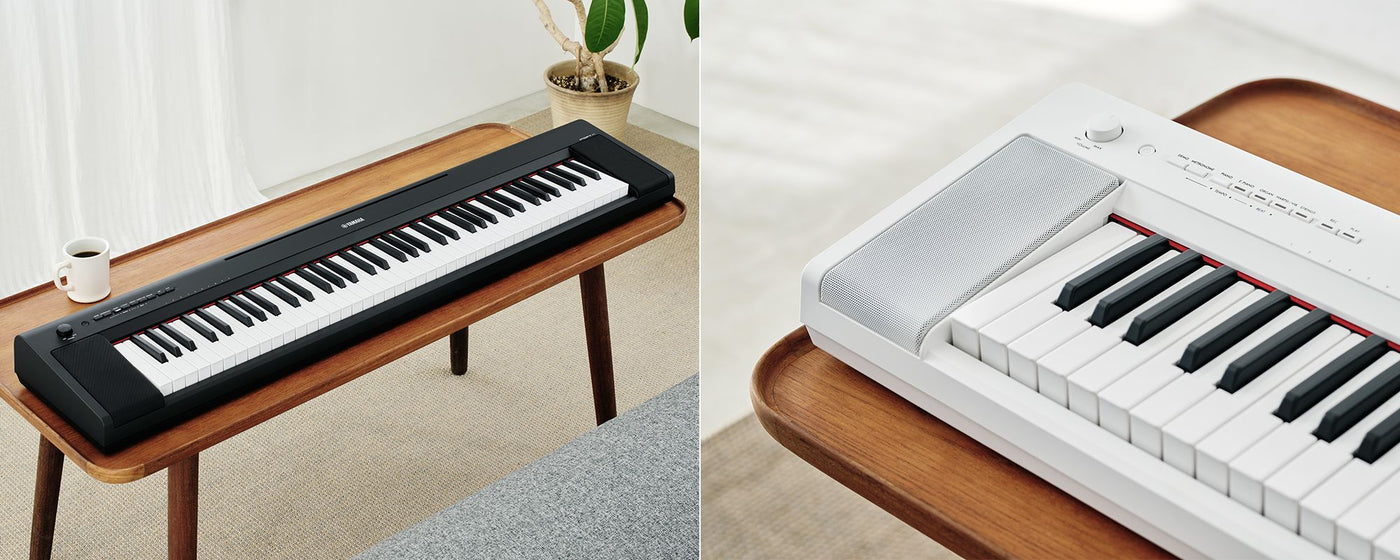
351, 223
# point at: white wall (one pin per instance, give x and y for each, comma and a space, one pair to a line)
1360, 30
320, 83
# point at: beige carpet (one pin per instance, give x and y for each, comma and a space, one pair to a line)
761, 501
336, 475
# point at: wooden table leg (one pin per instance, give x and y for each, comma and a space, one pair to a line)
46, 483
182, 492
595, 329
458, 341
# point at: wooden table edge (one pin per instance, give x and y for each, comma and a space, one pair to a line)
90, 460
957, 538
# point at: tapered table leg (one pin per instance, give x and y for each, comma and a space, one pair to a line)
458, 340
182, 491
595, 329
46, 483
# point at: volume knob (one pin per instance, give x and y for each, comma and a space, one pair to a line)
1103, 127
64, 331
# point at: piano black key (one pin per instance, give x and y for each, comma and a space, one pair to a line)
457, 219
197, 326
1219, 339
1084, 287
541, 185
429, 233
538, 192
325, 274
390, 247
233, 311
371, 257
413, 240
1127, 298
164, 343
248, 306
262, 302
1359, 404
1380, 439
492, 204
556, 179
1317, 386
340, 270
508, 201
1168, 311
155, 353
471, 209
1259, 359
399, 243
175, 335
523, 194
315, 280
560, 171
296, 287
358, 262
571, 164
281, 294
214, 321
432, 222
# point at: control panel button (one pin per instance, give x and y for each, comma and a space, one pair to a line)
1103, 127
1240, 189
1260, 197
1280, 205
1175, 161
1220, 180
64, 331
1302, 214
1349, 236
1147, 150
1197, 169
1329, 227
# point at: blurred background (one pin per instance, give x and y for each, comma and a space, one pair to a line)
819, 113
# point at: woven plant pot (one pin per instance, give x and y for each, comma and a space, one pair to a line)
607, 111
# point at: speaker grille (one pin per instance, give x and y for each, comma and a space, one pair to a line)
931, 261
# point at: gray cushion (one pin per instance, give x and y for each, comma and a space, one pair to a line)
628, 489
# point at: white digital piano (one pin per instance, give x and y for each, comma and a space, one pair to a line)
1194, 341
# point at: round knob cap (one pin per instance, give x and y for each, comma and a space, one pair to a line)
64, 331
1103, 127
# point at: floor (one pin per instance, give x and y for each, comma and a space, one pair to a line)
352, 467
812, 123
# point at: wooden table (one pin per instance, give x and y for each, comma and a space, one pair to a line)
178, 447
966, 496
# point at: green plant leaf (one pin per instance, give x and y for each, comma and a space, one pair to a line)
692, 18
639, 7
605, 19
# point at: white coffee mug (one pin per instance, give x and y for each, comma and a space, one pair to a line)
87, 267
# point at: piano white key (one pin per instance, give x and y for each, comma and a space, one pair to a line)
1319, 510
1232, 422
143, 363
1366, 520
1086, 384
1388, 544
1286, 488
970, 318
243, 339
1053, 370
1150, 377
198, 366
1181, 435
1151, 415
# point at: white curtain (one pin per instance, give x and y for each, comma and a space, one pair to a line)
117, 119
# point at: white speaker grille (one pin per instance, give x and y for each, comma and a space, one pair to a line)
931, 261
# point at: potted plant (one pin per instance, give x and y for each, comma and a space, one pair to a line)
588, 87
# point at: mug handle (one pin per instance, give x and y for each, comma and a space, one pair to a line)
58, 274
